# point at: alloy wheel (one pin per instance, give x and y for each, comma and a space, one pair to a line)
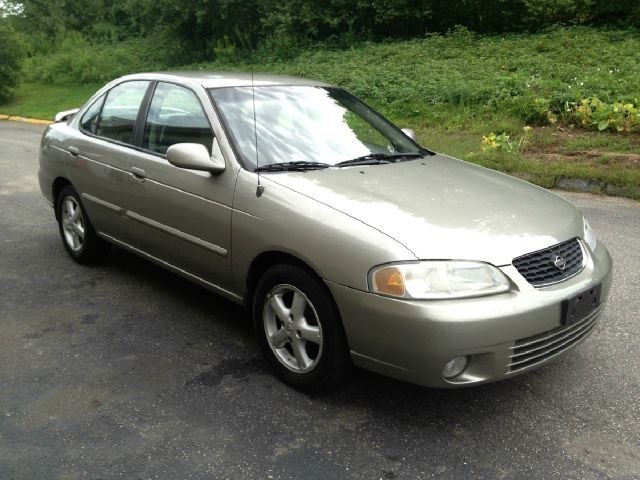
72, 223
292, 328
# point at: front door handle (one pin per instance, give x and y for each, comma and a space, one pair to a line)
138, 174
73, 151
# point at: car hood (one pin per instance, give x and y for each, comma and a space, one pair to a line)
443, 208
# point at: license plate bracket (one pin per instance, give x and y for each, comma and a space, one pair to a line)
581, 305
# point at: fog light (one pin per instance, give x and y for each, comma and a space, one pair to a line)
454, 367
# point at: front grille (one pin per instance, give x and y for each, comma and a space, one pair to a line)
539, 268
535, 349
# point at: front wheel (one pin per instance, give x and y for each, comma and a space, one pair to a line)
299, 329
78, 236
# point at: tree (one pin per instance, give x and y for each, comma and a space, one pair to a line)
10, 59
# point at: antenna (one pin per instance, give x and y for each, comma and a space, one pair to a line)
259, 187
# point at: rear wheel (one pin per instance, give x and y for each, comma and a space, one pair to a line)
78, 236
299, 329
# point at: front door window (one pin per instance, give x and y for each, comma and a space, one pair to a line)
175, 116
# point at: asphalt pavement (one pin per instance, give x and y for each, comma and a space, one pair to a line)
124, 370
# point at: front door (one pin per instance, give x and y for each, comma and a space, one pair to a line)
186, 214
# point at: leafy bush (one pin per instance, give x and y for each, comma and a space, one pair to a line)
196, 26
10, 57
81, 62
549, 12
617, 116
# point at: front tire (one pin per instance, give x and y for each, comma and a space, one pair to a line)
78, 236
299, 329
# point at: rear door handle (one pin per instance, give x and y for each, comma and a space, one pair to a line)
138, 174
73, 151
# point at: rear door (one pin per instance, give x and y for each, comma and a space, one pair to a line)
185, 214
98, 156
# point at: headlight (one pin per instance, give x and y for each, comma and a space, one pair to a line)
438, 279
589, 235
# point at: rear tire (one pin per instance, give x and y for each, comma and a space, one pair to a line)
299, 330
78, 236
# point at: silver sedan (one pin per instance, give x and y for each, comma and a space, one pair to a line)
347, 241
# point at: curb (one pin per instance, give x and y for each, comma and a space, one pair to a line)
576, 184
34, 121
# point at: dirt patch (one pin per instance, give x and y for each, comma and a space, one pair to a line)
602, 159
601, 150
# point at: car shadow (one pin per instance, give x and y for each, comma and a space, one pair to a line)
176, 287
365, 391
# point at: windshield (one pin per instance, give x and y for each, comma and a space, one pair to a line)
306, 124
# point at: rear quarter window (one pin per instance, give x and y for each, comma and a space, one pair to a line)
89, 120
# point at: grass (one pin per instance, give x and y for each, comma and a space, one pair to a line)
44, 101
618, 143
451, 89
549, 153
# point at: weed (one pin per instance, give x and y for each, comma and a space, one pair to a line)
617, 116
504, 142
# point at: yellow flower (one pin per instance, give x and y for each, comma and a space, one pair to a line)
489, 142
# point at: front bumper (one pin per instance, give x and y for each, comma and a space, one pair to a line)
503, 335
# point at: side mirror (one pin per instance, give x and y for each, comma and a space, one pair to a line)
409, 132
66, 115
195, 156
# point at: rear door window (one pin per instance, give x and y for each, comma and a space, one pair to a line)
118, 117
175, 116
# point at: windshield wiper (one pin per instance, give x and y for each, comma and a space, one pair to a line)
299, 166
378, 158
370, 159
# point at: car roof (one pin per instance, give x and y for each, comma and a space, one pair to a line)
225, 79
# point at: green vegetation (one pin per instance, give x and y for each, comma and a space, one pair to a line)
487, 78
10, 59
578, 86
549, 152
453, 80
208, 29
81, 62
44, 101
